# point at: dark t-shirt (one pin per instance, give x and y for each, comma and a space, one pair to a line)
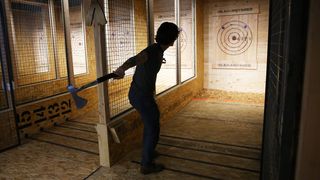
145, 75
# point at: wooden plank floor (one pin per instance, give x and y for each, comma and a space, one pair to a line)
67, 151
206, 140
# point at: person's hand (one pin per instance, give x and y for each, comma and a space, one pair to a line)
120, 72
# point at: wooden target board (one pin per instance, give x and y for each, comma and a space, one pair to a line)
234, 35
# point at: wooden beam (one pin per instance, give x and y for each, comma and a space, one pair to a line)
67, 35
95, 17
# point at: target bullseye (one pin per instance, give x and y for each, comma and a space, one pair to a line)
234, 37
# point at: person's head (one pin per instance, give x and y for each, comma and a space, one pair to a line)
167, 33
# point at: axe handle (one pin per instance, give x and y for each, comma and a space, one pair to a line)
99, 80
106, 77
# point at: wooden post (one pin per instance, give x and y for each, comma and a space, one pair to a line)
67, 35
95, 17
7, 72
178, 47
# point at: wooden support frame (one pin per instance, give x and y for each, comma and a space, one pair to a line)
177, 19
95, 17
7, 72
194, 39
103, 104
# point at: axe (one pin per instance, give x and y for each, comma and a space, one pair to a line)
94, 17
80, 101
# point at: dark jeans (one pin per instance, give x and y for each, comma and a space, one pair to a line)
150, 115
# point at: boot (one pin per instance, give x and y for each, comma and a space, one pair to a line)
152, 168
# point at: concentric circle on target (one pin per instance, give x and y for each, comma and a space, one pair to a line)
121, 42
234, 37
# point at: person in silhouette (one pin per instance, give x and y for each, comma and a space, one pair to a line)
142, 91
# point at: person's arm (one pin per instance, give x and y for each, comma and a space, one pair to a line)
131, 62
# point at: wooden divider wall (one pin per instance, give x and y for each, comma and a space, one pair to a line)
34, 116
35, 27
41, 98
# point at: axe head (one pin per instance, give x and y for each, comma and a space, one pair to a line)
79, 101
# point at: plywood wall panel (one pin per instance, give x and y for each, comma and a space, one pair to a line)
45, 113
238, 79
8, 131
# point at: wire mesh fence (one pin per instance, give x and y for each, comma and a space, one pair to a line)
164, 11
82, 41
32, 42
37, 43
186, 40
126, 34
32, 48
77, 30
59, 44
38, 52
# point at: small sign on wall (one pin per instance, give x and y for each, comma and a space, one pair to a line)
234, 35
235, 8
